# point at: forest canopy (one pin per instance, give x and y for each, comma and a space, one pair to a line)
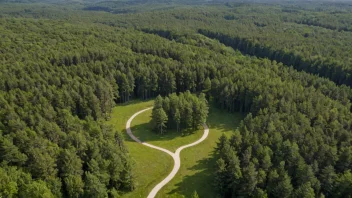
286, 67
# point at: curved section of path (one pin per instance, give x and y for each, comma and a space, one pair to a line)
175, 156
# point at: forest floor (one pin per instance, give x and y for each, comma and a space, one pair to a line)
152, 166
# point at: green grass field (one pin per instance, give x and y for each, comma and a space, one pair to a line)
170, 140
151, 166
197, 163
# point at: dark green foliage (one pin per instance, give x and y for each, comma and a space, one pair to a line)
94, 187
62, 73
179, 111
159, 117
195, 195
343, 186
337, 71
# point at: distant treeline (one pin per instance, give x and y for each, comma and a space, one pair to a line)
333, 70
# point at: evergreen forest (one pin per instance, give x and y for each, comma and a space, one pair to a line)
285, 66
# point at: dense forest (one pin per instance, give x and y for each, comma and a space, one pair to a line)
180, 111
287, 67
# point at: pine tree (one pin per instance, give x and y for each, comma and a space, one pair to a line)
158, 102
220, 180
304, 174
328, 178
279, 183
159, 120
74, 185
203, 109
206, 85
177, 119
236, 140
260, 193
195, 194
94, 187
249, 180
304, 191
187, 114
36, 189
159, 117
222, 142
343, 185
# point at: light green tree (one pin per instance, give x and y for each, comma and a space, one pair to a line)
195, 194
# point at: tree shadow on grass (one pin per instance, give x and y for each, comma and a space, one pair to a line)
134, 101
222, 120
145, 133
202, 181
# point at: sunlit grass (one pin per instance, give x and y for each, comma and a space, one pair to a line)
170, 140
197, 163
151, 166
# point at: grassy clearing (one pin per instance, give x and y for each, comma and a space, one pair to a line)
197, 163
170, 140
151, 166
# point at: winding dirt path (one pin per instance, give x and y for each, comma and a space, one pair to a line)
175, 156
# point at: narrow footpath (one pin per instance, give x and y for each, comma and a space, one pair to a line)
175, 156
